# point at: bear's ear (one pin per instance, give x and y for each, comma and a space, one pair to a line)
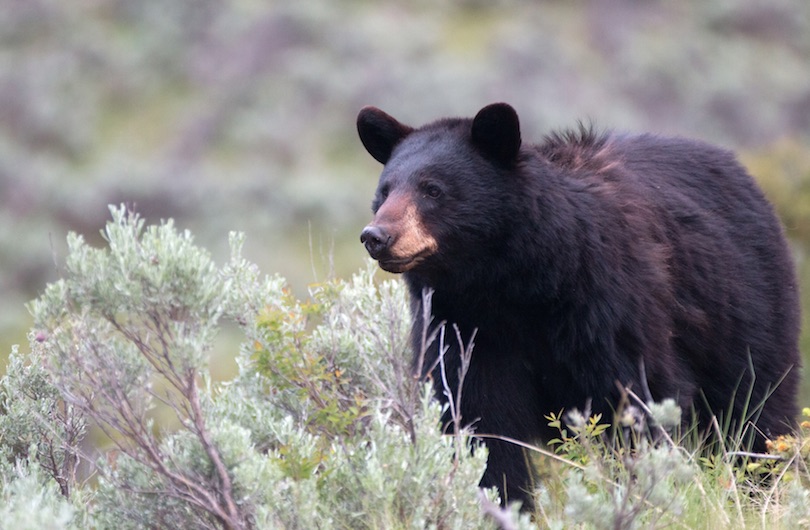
496, 132
380, 133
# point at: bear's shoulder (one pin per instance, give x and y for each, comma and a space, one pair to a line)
580, 148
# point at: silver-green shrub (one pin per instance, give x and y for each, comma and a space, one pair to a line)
324, 426
36, 425
29, 501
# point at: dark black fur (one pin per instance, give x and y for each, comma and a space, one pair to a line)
579, 257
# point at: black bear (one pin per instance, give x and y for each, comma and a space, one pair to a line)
585, 262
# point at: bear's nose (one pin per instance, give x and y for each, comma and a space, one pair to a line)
375, 239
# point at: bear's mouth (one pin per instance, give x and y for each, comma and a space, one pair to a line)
398, 266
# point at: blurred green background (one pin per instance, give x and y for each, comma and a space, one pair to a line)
240, 115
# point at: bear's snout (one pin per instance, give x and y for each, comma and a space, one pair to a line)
375, 239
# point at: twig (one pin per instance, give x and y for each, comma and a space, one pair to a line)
648, 412
500, 515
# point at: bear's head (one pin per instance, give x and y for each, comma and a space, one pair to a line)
443, 196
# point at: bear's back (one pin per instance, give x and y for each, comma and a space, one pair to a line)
735, 294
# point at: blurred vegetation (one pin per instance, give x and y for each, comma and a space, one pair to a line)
240, 115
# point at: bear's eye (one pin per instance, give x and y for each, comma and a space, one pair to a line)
433, 191
384, 191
